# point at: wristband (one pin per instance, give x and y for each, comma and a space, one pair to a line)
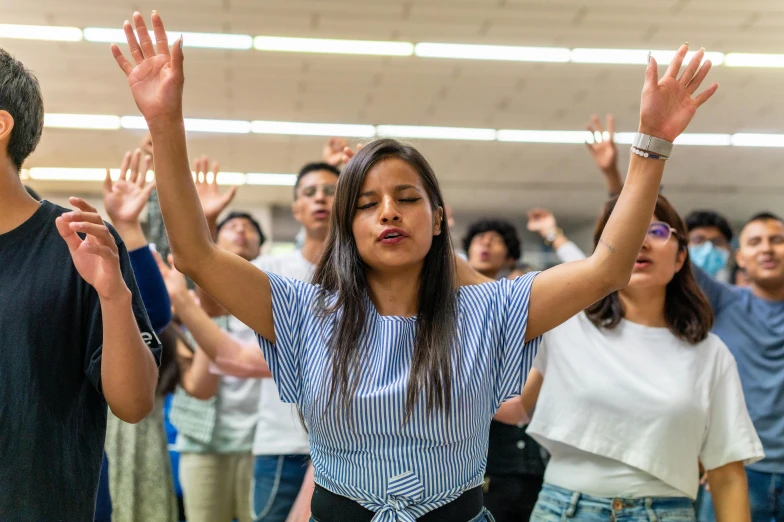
552, 236
653, 145
646, 154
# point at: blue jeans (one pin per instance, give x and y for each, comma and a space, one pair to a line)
557, 505
277, 480
484, 516
766, 496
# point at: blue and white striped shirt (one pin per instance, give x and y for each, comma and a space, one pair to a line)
400, 471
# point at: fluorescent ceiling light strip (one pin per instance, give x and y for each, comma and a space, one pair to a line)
62, 174
709, 140
634, 56
221, 126
754, 60
41, 32
757, 140
541, 136
82, 121
435, 133
262, 178
203, 40
493, 52
321, 45
133, 122
313, 129
231, 178
194, 125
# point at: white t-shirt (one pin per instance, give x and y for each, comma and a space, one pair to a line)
279, 431
644, 398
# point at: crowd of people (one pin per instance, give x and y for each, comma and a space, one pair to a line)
377, 371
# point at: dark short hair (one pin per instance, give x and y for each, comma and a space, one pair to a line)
20, 96
709, 218
687, 311
243, 215
314, 167
763, 216
504, 228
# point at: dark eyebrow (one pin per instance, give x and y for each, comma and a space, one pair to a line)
398, 188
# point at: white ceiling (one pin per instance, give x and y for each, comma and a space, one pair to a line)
477, 177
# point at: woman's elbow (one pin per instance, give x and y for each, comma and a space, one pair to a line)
611, 278
200, 391
618, 281
136, 412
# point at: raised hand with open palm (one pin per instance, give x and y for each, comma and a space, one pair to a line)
157, 79
213, 203
125, 198
668, 104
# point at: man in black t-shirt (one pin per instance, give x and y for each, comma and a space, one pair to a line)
74, 334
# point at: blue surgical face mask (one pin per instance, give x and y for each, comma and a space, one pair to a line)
709, 258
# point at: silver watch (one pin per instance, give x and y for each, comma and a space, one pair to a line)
651, 144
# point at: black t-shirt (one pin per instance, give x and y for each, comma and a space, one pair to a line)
52, 411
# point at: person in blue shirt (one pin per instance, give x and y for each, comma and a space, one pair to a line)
750, 321
396, 370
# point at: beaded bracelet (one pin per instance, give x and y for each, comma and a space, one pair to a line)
646, 154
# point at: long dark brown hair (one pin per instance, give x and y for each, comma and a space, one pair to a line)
342, 273
686, 309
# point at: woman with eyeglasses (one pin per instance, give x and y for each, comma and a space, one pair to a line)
634, 392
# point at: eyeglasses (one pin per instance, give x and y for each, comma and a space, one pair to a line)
660, 232
310, 191
718, 241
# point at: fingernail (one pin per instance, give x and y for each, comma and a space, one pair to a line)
649, 57
180, 42
702, 49
686, 44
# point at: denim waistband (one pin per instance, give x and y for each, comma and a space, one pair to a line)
569, 501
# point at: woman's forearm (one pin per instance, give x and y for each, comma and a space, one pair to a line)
189, 235
128, 369
730, 492
625, 230
198, 380
512, 412
231, 356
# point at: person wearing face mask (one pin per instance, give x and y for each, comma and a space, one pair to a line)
635, 391
710, 243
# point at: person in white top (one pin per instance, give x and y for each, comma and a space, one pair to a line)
634, 393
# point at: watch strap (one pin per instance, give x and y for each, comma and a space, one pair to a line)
650, 144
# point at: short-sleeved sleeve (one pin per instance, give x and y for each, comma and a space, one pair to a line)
730, 435
294, 322
513, 356
94, 320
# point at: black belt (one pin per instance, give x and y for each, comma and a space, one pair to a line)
327, 506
